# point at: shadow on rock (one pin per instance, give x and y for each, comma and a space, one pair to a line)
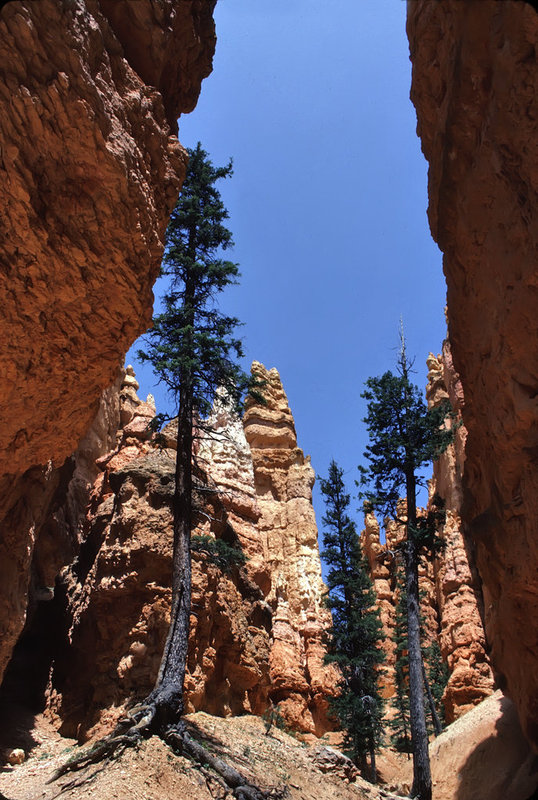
502, 765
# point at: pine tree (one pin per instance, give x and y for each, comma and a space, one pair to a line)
399, 724
405, 436
194, 351
356, 632
437, 674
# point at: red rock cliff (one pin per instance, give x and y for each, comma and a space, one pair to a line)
90, 169
256, 631
475, 88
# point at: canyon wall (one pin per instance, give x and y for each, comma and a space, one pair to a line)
475, 89
256, 630
90, 167
451, 602
457, 586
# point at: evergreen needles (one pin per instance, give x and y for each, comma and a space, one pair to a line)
356, 632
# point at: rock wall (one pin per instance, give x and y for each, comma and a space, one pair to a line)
283, 480
90, 169
43, 527
484, 754
475, 89
256, 630
461, 630
451, 600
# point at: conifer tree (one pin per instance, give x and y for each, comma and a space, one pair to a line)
399, 724
194, 351
435, 675
356, 633
405, 436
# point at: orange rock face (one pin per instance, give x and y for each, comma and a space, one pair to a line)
475, 88
461, 634
90, 169
256, 631
283, 479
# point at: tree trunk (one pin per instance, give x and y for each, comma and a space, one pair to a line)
167, 694
422, 783
372, 763
438, 728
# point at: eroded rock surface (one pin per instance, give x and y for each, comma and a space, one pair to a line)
256, 630
90, 169
475, 88
461, 630
283, 479
44, 526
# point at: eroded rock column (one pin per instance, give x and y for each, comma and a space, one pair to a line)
283, 478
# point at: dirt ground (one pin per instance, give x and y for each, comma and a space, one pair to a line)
152, 772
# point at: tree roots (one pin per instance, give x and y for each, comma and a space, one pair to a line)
139, 724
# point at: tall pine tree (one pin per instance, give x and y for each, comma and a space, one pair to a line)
356, 632
405, 436
194, 351
435, 674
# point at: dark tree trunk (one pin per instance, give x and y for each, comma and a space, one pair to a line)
168, 691
437, 727
373, 777
422, 783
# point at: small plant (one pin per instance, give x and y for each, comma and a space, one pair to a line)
273, 718
223, 555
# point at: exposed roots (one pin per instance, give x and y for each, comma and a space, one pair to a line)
181, 741
129, 732
140, 724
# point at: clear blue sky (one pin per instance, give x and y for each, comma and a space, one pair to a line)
327, 205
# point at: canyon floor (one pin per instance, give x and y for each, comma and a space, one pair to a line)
481, 756
152, 772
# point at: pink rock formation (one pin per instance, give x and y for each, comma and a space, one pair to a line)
256, 631
475, 88
90, 168
283, 479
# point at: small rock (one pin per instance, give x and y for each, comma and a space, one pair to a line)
16, 756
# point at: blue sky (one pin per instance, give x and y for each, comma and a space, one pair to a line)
327, 205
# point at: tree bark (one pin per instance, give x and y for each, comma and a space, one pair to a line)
167, 694
372, 763
422, 782
438, 728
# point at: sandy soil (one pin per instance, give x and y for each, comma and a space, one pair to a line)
153, 772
